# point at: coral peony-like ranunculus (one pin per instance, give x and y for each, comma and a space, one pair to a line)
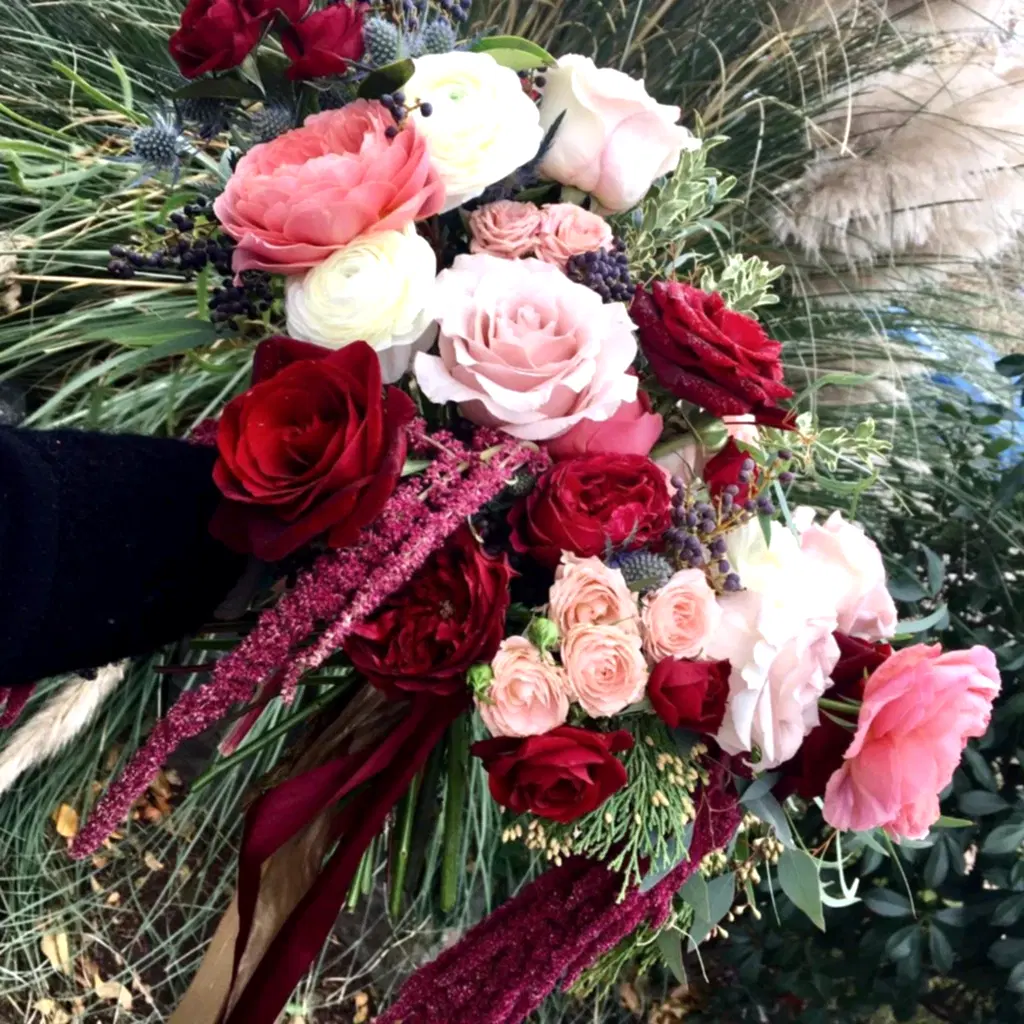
293, 201
588, 592
632, 430
568, 230
919, 710
324, 43
606, 668
482, 126
504, 228
375, 289
708, 354
681, 617
614, 139
525, 349
215, 35
528, 694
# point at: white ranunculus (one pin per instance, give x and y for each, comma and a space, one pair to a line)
375, 289
777, 636
482, 126
615, 139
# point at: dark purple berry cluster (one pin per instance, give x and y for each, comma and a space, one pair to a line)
249, 299
605, 272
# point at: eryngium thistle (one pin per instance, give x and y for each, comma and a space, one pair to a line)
382, 41
644, 568
438, 37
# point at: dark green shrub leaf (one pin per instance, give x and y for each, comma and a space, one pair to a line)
978, 802
1009, 911
936, 867
901, 943
940, 949
1007, 952
1004, 839
887, 903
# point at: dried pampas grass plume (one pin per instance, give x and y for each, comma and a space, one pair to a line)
66, 714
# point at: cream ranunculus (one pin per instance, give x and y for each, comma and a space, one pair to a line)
376, 290
615, 139
482, 126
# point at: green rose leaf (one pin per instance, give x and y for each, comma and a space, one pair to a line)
514, 52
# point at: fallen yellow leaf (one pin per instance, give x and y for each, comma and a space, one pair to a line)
99, 863
114, 899
66, 820
113, 990
55, 948
151, 862
97, 887
45, 1007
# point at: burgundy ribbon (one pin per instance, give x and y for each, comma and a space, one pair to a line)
384, 772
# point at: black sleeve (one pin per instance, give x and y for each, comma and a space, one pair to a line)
104, 549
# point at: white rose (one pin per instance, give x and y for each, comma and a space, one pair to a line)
615, 139
777, 636
482, 126
375, 289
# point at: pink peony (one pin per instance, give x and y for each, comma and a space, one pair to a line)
920, 708
505, 228
524, 348
681, 617
528, 695
633, 430
606, 668
568, 230
293, 201
853, 564
587, 592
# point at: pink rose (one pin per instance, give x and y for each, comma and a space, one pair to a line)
853, 564
680, 618
606, 668
920, 708
587, 592
568, 230
528, 695
615, 139
523, 348
632, 430
293, 201
505, 228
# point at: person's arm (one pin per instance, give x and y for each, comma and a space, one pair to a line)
104, 548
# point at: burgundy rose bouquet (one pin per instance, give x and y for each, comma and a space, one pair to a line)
522, 490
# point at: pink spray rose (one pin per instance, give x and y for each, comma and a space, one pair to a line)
606, 668
853, 564
568, 230
680, 618
293, 201
920, 708
506, 229
523, 348
528, 695
587, 592
632, 430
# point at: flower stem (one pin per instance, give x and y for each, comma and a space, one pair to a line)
839, 706
451, 855
403, 845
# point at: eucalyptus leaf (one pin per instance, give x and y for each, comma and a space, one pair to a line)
937, 619
770, 811
694, 892
936, 570
721, 893
671, 946
798, 876
514, 52
761, 785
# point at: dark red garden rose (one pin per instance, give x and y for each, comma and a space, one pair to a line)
448, 618
293, 10
561, 775
315, 448
723, 469
823, 748
707, 354
325, 42
582, 505
690, 694
214, 35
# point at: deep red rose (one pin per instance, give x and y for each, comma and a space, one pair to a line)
707, 354
723, 469
583, 504
561, 775
315, 448
448, 618
214, 35
325, 42
690, 694
266, 9
823, 748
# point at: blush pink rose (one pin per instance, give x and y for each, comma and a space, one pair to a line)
851, 562
528, 695
680, 618
920, 708
523, 348
632, 430
293, 201
588, 592
568, 230
606, 668
506, 229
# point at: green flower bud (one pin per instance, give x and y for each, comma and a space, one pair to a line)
543, 633
479, 679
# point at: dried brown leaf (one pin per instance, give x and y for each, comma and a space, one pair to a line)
151, 862
55, 948
65, 818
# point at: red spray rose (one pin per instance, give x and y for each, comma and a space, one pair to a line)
707, 354
823, 748
583, 504
324, 43
690, 694
429, 634
315, 448
723, 469
214, 35
560, 775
